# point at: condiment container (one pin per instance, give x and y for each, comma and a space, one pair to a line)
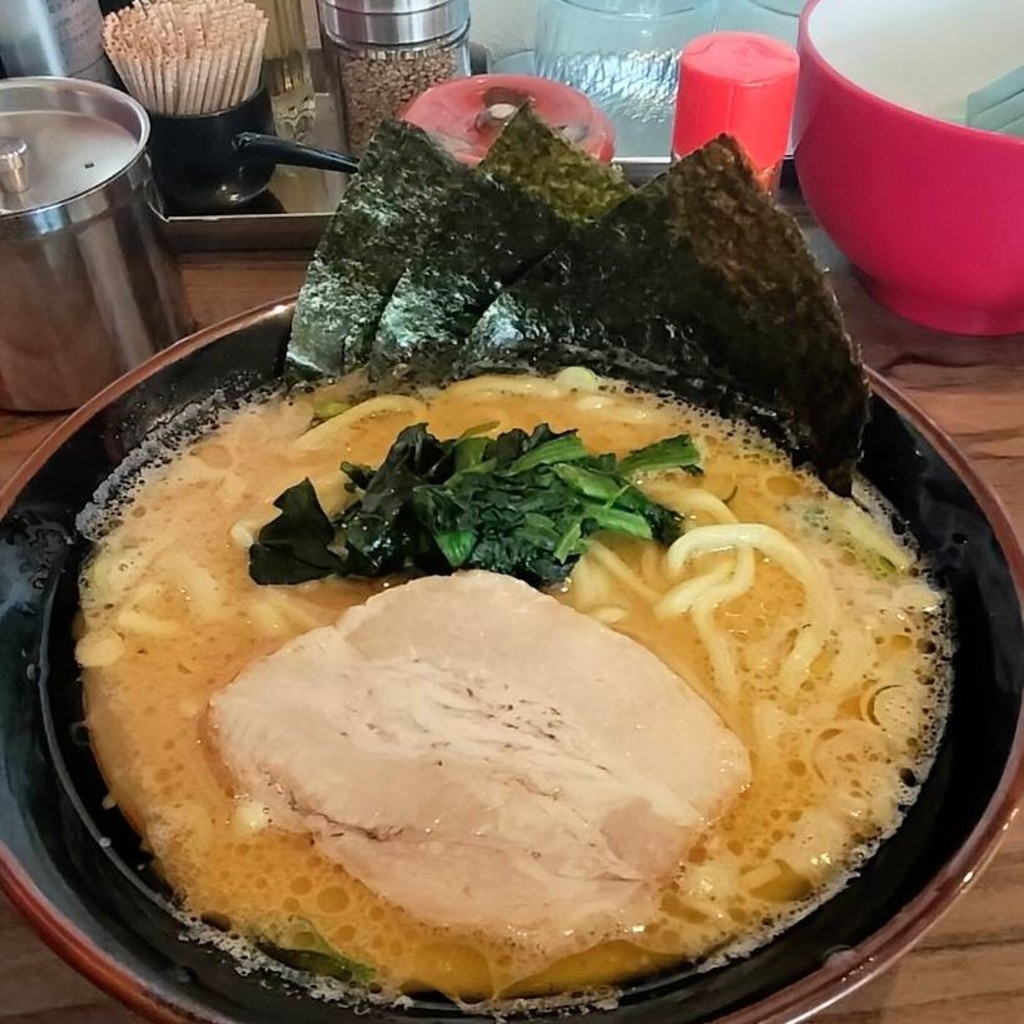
624, 55
379, 54
87, 290
741, 84
53, 37
466, 115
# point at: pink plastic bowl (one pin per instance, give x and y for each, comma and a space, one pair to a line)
930, 212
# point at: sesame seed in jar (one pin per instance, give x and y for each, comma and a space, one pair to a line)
379, 64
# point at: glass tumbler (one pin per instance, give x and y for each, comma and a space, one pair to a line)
624, 55
778, 18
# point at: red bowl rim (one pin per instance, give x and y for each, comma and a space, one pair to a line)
963, 132
796, 1002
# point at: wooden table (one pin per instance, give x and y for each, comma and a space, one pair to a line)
970, 968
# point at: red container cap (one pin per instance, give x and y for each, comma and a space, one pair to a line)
739, 83
466, 115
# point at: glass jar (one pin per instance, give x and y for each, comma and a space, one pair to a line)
380, 55
624, 55
778, 18
286, 70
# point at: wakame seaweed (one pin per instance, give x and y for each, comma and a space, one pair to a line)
697, 285
520, 504
385, 218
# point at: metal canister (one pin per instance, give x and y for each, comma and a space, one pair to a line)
54, 37
87, 288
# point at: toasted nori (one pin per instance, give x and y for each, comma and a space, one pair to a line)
388, 213
695, 285
486, 234
523, 201
698, 285
531, 156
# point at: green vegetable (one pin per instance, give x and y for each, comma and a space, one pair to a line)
324, 411
308, 951
297, 543
855, 529
672, 453
520, 504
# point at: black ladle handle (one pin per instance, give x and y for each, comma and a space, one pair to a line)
269, 149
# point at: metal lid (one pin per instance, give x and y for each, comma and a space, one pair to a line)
392, 22
61, 138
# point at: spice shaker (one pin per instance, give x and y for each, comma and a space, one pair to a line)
741, 84
379, 54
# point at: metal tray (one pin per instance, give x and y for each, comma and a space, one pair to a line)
299, 202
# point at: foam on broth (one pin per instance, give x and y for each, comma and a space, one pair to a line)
169, 615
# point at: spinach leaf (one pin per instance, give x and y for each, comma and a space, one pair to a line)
521, 504
671, 453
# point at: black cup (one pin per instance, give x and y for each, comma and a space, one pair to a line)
194, 161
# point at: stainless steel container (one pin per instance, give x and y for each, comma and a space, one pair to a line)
87, 289
53, 37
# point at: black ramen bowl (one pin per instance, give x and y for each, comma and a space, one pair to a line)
74, 868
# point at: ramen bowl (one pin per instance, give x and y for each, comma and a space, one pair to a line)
75, 869
930, 211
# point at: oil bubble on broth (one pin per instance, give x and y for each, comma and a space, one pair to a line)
804, 620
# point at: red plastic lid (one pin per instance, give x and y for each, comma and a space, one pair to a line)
739, 83
466, 115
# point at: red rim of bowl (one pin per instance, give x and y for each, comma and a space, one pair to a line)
938, 123
796, 1002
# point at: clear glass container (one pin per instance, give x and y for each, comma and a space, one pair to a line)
624, 55
380, 56
778, 18
286, 70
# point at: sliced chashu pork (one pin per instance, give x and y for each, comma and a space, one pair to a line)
482, 755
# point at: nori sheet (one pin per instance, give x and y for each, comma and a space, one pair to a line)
487, 233
698, 285
492, 227
695, 285
387, 215
540, 161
